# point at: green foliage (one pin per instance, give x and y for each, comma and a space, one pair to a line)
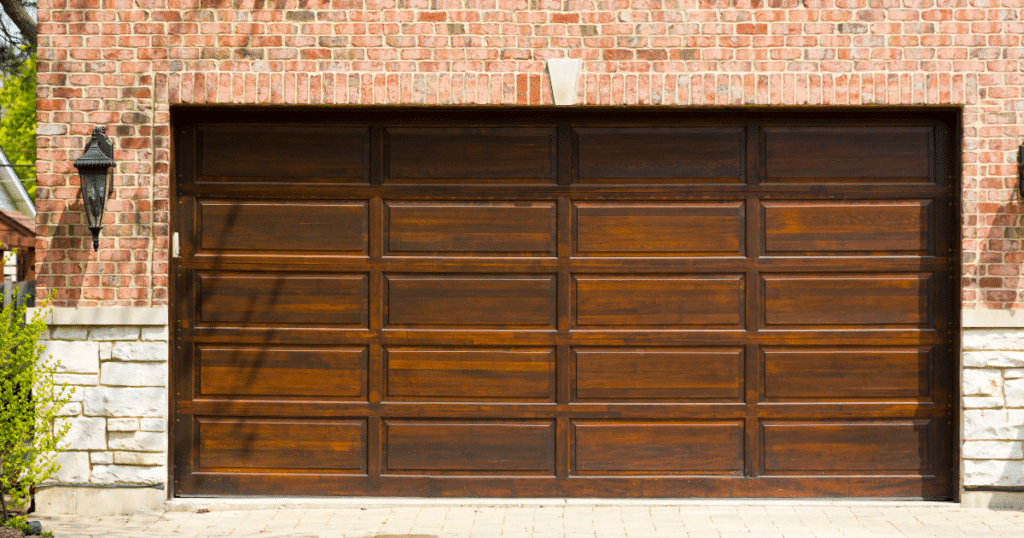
29, 400
18, 122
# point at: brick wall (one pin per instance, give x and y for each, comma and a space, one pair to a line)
122, 63
125, 63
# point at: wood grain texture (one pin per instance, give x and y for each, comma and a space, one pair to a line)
892, 447
659, 154
658, 374
323, 227
275, 372
854, 373
490, 300
277, 153
471, 227
470, 374
484, 447
658, 447
817, 154
281, 298
268, 444
470, 154
850, 299
840, 227
563, 302
665, 301
670, 228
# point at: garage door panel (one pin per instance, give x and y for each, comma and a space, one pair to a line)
470, 374
276, 372
337, 300
659, 154
470, 154
658, 301
658, 447
667, 229
478, 447
658, 374
282, 445
471, 301
564, 303
484, 228
816, 154
321, 227
889, 447
867, 227
273, 153
824, 374
863, 300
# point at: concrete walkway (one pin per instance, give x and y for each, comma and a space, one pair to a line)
558, 519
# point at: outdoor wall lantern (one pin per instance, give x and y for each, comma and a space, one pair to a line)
92, 167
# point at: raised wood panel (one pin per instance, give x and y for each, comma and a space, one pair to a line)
659, 301
834, 153
658, 447
471, 301
282, 298
267, 445
470, 154
482, 446
275, 372
658, 374
471, 227
850, 373
841, 227
665, 228
286, 154
466, 374
323, 227
659, 154
848, 299
890, 447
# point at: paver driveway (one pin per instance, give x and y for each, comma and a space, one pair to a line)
561, 519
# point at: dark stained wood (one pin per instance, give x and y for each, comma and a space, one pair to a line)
851, 373
891, 447
470, 154
309, 226
254, 298
542, 302
658, 447
820, 154
666, 301
467, 374
453, 301
470, 446
471, 227
657, 373
274, 372
841, 227
659, 228
850, 299
284, 153
267, 444
659, 154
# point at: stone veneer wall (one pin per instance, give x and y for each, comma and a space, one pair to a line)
992, 449
116, 360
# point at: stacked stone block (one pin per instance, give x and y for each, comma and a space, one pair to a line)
118, 413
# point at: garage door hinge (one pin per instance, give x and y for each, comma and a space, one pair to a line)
175, 246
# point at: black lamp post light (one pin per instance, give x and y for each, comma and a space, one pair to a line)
92, 167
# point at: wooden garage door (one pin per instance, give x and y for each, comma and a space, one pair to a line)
540, 302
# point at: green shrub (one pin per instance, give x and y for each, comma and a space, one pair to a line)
30, 398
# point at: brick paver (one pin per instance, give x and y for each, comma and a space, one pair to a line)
684, 520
